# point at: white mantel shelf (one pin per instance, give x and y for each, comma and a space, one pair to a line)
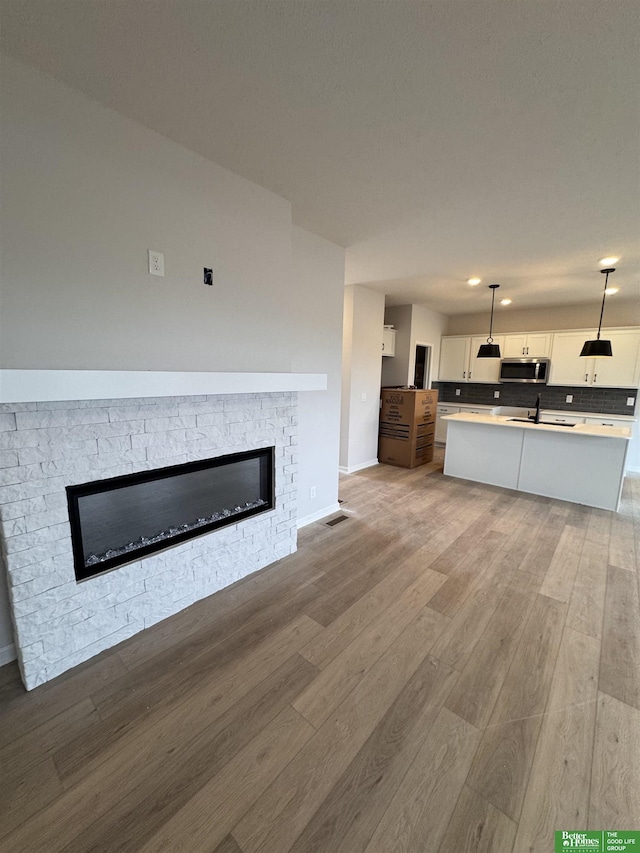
30, 386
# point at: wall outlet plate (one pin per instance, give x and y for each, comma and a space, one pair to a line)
569, 398
457, 392
156, 263
631, 401
496, 395
208, 276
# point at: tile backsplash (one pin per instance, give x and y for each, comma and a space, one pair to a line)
606, 400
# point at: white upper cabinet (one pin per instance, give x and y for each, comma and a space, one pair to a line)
388, 342
459, 361
454, 359
484, 369
567, 368
535, 345
622, 370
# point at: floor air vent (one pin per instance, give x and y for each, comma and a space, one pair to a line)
337, 520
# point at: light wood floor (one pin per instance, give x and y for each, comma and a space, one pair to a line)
453, 668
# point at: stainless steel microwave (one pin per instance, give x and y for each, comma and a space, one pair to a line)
532, 370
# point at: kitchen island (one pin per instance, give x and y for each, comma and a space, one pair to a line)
581, 463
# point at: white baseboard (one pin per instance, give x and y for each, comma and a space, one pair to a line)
360, 467
316, 516
7, 654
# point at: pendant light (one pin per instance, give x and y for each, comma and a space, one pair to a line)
598, 348
490, 350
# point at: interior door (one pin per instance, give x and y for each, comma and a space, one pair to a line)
421, 368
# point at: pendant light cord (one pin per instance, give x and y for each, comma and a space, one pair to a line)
604, 296
493, 299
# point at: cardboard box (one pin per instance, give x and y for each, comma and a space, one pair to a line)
407, 427
408, 407
403, 454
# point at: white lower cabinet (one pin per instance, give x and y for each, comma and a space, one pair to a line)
475, 410
602, 420
441, 426
551, 418
447, 409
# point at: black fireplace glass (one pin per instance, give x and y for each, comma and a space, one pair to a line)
120, 519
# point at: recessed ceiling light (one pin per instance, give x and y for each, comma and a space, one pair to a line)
606, 262
611, 290
505, 302
474, 280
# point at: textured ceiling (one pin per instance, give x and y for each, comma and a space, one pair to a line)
434, 140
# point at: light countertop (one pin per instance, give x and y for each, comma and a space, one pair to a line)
595, 430
569, 413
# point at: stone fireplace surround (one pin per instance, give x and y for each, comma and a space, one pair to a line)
47, 444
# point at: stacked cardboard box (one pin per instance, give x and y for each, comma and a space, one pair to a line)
407, 427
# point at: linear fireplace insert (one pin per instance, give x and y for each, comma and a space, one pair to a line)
122, 519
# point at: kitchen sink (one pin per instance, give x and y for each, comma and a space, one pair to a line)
547, 423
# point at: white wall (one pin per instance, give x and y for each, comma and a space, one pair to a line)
427, 327
362, 367
415, 324
316, 320
617, 312
345, 394
395, 371
86, 192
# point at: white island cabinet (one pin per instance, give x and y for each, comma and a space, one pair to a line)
582, 463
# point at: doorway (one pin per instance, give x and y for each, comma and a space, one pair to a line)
421, 366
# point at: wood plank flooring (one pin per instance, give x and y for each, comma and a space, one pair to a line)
454, 668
